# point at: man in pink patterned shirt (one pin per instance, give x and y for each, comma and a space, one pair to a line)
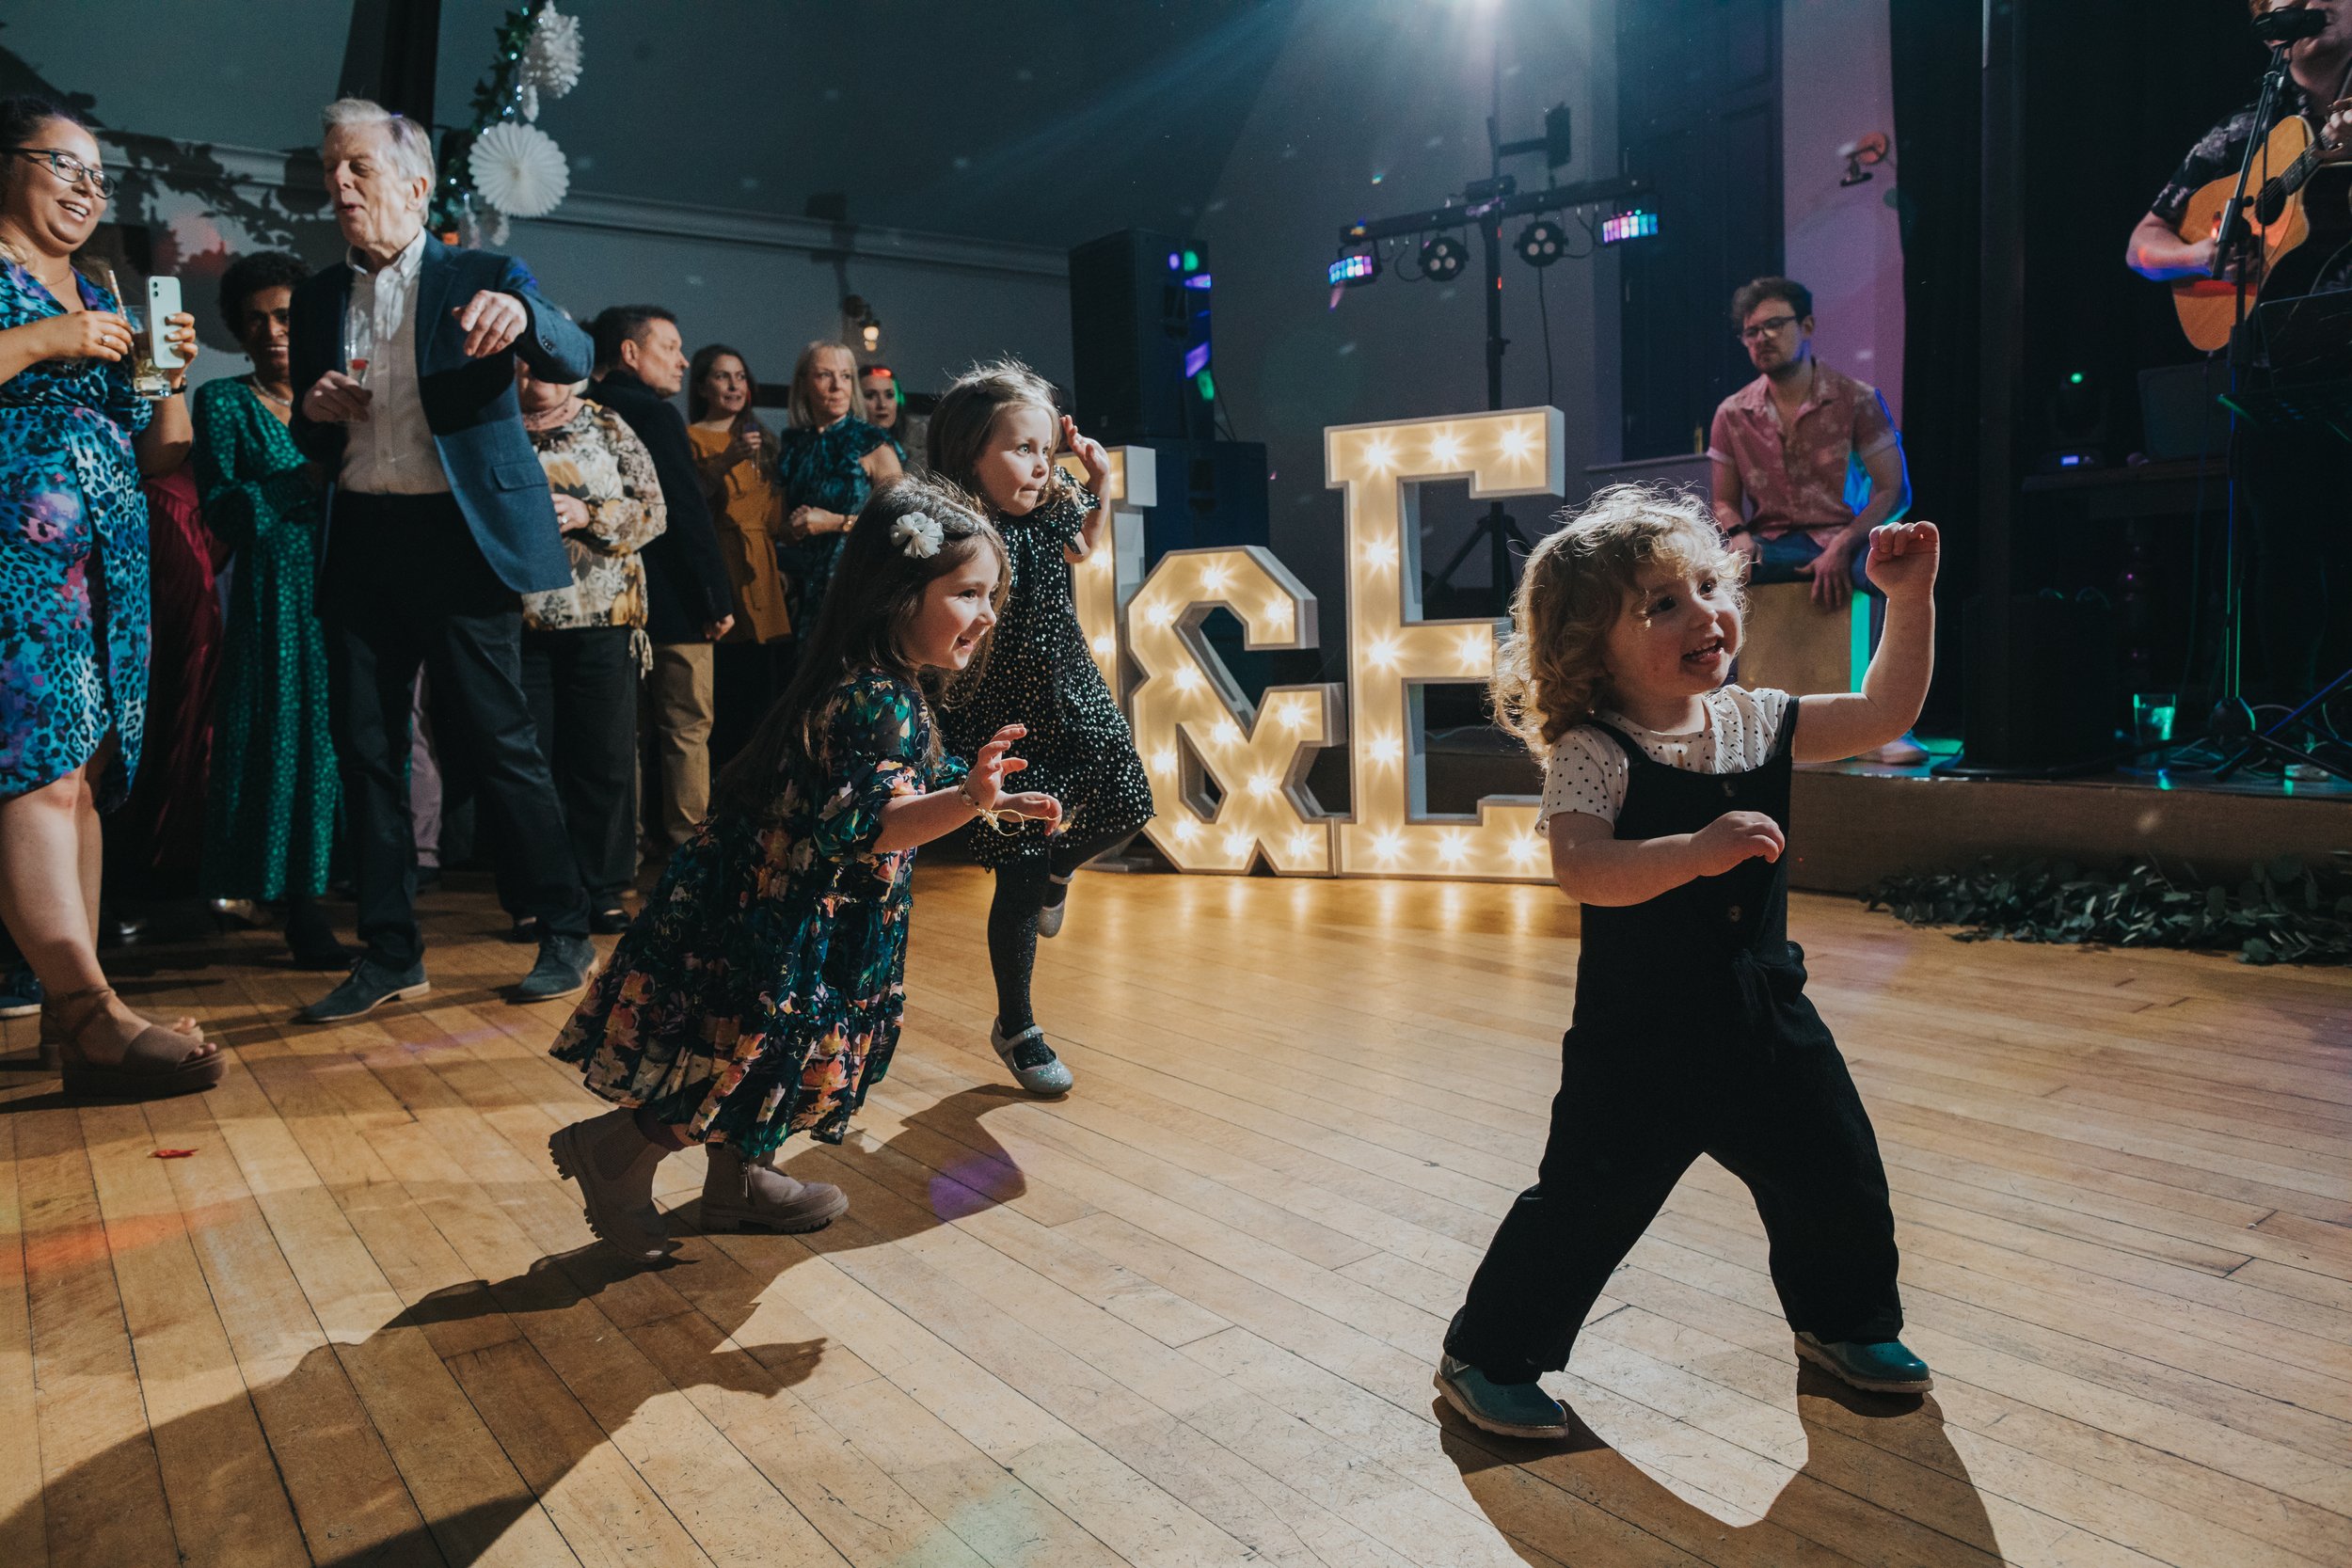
1783, 448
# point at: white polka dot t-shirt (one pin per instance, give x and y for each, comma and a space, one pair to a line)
1588, 772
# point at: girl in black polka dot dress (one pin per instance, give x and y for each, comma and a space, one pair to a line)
995, 432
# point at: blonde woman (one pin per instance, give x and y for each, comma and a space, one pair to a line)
830, 461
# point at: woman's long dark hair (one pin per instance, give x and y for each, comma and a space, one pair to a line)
876, 589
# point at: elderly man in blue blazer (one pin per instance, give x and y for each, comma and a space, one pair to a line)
439, 519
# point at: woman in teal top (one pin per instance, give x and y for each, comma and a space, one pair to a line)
829, 461
269, 824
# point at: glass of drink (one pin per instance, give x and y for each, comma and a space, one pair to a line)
147, 379
2151, 716
359, 345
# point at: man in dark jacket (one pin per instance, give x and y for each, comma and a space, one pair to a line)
438, 521
690, 603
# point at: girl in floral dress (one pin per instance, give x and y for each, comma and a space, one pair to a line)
759, 994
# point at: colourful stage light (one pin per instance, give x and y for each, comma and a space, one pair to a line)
1360, 267
1635, 225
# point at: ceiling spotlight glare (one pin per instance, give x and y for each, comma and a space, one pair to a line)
1443, 258
1542, 242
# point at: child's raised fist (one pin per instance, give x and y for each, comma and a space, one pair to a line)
1902, 558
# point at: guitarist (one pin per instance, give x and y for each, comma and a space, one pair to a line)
2296, 486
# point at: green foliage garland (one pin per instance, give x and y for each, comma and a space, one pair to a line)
2286, 912
498, 96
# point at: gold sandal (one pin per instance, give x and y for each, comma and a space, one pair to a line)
156, 1063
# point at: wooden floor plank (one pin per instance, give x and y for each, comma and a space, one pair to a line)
1186, 1315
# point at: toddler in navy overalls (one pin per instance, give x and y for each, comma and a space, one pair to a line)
1692, 1034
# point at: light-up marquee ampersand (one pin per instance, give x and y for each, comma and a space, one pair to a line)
1112, 571
1228, 776
1392, 652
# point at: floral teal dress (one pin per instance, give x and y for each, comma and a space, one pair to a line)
73, 614
824, 469
759, 994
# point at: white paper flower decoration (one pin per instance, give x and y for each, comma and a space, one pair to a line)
917, 535
519, 170
551, 56
527, 100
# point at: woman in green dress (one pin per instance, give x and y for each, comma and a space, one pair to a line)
269, 825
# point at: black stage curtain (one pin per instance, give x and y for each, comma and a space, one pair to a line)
2114, 96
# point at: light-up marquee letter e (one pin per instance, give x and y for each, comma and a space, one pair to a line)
1392, 652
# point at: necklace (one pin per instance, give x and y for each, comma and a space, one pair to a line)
560, 414
266, 394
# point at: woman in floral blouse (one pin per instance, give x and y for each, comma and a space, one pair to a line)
585, 646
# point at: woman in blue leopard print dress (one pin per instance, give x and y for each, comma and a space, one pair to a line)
74, 607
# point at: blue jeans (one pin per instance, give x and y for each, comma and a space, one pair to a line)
1782, 557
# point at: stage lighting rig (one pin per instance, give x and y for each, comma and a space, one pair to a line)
1355, 268
1442, 258
1486, 204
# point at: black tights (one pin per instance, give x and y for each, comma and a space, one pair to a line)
1023, 888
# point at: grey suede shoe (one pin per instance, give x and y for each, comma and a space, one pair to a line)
739, 1195
614, 1164
1034, 1065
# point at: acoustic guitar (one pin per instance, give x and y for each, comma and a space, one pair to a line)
2298, 206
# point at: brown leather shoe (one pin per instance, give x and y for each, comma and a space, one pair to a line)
740, 1196
157, 1063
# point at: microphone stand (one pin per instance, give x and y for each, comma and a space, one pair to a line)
2234, 256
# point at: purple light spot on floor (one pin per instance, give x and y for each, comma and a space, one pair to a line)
952, 1200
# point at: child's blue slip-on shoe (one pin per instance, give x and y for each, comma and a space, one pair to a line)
1505, 1409
1882, 1366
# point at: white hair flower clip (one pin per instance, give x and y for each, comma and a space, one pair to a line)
918, 536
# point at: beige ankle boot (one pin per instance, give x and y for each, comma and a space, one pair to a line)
613, 1162
740, 1196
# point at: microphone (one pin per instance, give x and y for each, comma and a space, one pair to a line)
2290, 25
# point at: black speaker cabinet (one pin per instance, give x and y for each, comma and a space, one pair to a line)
2048, 700
1140, 339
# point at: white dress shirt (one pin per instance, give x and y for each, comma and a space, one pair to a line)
391, 452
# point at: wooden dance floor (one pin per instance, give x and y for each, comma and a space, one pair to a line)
1189, 1316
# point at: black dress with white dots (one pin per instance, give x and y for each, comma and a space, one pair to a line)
1039, 673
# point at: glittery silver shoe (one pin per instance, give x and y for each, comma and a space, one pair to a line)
1034, 1065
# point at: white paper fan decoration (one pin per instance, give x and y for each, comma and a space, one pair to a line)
551, 55
519, 170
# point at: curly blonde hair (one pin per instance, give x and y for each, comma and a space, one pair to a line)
1550, 673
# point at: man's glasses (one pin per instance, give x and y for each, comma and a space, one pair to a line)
1764, 328
68, 167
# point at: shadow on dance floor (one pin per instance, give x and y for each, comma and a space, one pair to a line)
533, 1356
1881, 1483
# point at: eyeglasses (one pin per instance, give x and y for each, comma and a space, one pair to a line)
1764, 328
68, 167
